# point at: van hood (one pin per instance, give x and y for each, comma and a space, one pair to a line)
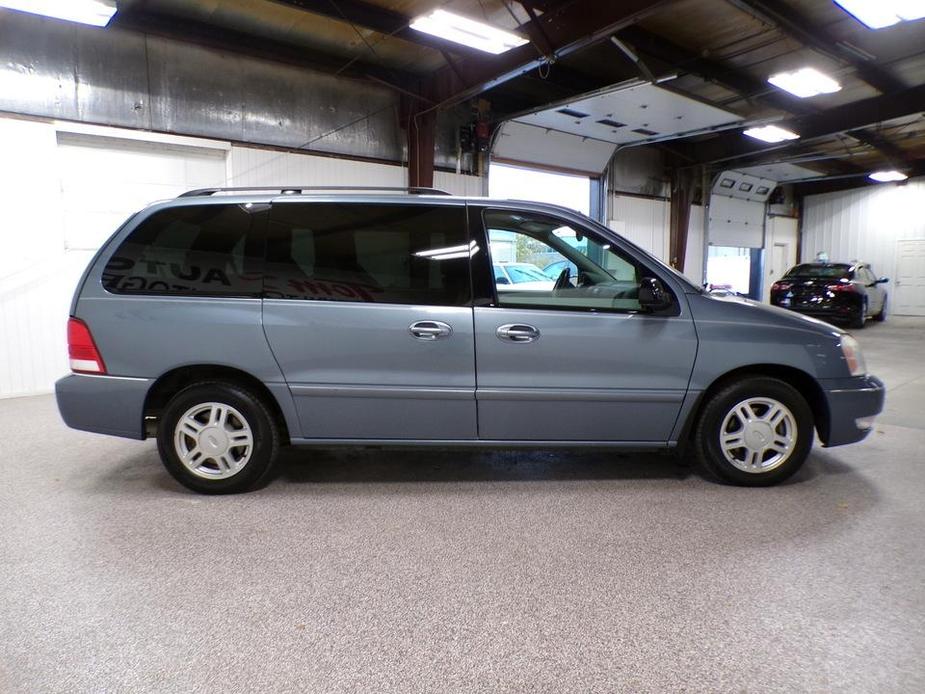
738, 308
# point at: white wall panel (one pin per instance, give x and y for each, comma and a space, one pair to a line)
693, 258
864, 224
32, 259
252, 166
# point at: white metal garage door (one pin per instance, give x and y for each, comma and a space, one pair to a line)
103, 180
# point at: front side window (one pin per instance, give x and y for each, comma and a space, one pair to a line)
376, 253
555, 265
211, 250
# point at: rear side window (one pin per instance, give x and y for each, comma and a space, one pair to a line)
210, 250
395, 254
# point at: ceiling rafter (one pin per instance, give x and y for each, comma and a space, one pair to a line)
800, 28
748, 87
848, 118
234, 41
379, 19
566, 28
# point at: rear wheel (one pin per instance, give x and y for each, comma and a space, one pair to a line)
880, 317
857, 321
755, 432
217, 438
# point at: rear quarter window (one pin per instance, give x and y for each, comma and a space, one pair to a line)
210, 250
371, 253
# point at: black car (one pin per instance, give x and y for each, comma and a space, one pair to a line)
846, 292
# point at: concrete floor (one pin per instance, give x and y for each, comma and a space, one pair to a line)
439, 572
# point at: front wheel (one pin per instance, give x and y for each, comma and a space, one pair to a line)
755, 432
217, 438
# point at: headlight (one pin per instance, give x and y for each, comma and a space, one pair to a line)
853, 357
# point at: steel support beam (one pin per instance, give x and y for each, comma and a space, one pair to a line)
799, 27
748, 87
380, 19
735, 149
420, 125
565, 29
232, 41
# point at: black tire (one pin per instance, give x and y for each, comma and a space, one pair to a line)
248, 411
880, 317
709, 429
857, 321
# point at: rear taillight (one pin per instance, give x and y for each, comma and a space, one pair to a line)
845, 287
85, 357
781, 286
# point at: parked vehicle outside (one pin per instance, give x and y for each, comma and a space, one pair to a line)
228, 323
521, 277
843, 292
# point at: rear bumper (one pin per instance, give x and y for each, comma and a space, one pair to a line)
852, 405
103, 404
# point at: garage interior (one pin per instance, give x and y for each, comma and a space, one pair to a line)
409, 570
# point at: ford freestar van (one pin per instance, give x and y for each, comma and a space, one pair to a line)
229, 323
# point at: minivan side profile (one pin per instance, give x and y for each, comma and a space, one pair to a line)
229, 323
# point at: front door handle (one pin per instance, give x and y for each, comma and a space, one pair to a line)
430, 330
517, 332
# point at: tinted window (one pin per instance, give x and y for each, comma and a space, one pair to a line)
397, 254
201, 249
824, 271
584, 271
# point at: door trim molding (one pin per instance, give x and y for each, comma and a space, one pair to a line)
383, 391
580, 394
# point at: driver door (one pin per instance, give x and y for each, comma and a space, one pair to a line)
576, 359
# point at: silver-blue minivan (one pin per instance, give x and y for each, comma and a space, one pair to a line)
228, 323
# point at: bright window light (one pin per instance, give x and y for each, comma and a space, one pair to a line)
94, 12
805, 82
888, 176
468, 32
883, 13
771, 133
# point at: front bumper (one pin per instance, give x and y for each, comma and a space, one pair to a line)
850, 402
103, 404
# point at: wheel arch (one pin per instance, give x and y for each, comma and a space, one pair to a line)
171, 382
807, 386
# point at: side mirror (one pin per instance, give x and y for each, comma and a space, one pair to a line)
653, 295
883, 280
502, 280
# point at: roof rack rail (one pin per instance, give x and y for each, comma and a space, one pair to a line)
296, 190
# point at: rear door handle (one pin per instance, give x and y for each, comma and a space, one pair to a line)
517, 332
430, 330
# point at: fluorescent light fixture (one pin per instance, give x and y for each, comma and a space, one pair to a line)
94, 12
805, 82
771, 133
467, 32
888, 176
883, 13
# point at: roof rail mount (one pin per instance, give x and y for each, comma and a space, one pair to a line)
297, 190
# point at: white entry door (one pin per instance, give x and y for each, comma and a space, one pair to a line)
909, 299
781, 255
